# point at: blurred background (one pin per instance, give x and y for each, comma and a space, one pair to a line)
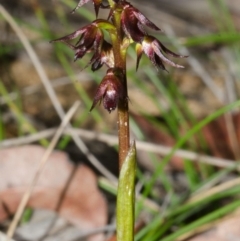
195, 110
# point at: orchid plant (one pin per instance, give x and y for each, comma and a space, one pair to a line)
125, 25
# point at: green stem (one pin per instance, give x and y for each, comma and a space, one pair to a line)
126, 197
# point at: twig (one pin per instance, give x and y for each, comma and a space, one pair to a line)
220, 188
23, 140
113, 140
74, 234
34, 88
41, 165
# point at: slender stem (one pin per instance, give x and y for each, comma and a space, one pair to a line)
119, 52
123, 128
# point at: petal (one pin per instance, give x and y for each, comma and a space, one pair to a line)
97, 64
167, 51
158, 52
144, 20
88, 35
99, 94
98, 41
71, 36
104, 56
80, 52
110, 100
130, 26
80, 4
140, 27
80, 40
88, 42
151, 55
97, 5
139, 51
159, 63
147, 46
95, 61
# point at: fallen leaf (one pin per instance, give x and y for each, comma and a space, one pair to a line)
69, 189
226, 230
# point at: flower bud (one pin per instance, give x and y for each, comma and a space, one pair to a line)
110, 90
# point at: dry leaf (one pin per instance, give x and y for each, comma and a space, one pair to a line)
76, 186
227, 230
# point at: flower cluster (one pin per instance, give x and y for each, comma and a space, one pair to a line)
132, 27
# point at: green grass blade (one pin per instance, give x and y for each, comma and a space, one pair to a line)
204, 220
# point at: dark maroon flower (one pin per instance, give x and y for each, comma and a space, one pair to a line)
97, 4
133, 22
91, 38
155, 50
110, 90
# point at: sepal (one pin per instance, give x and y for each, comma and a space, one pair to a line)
97, 5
